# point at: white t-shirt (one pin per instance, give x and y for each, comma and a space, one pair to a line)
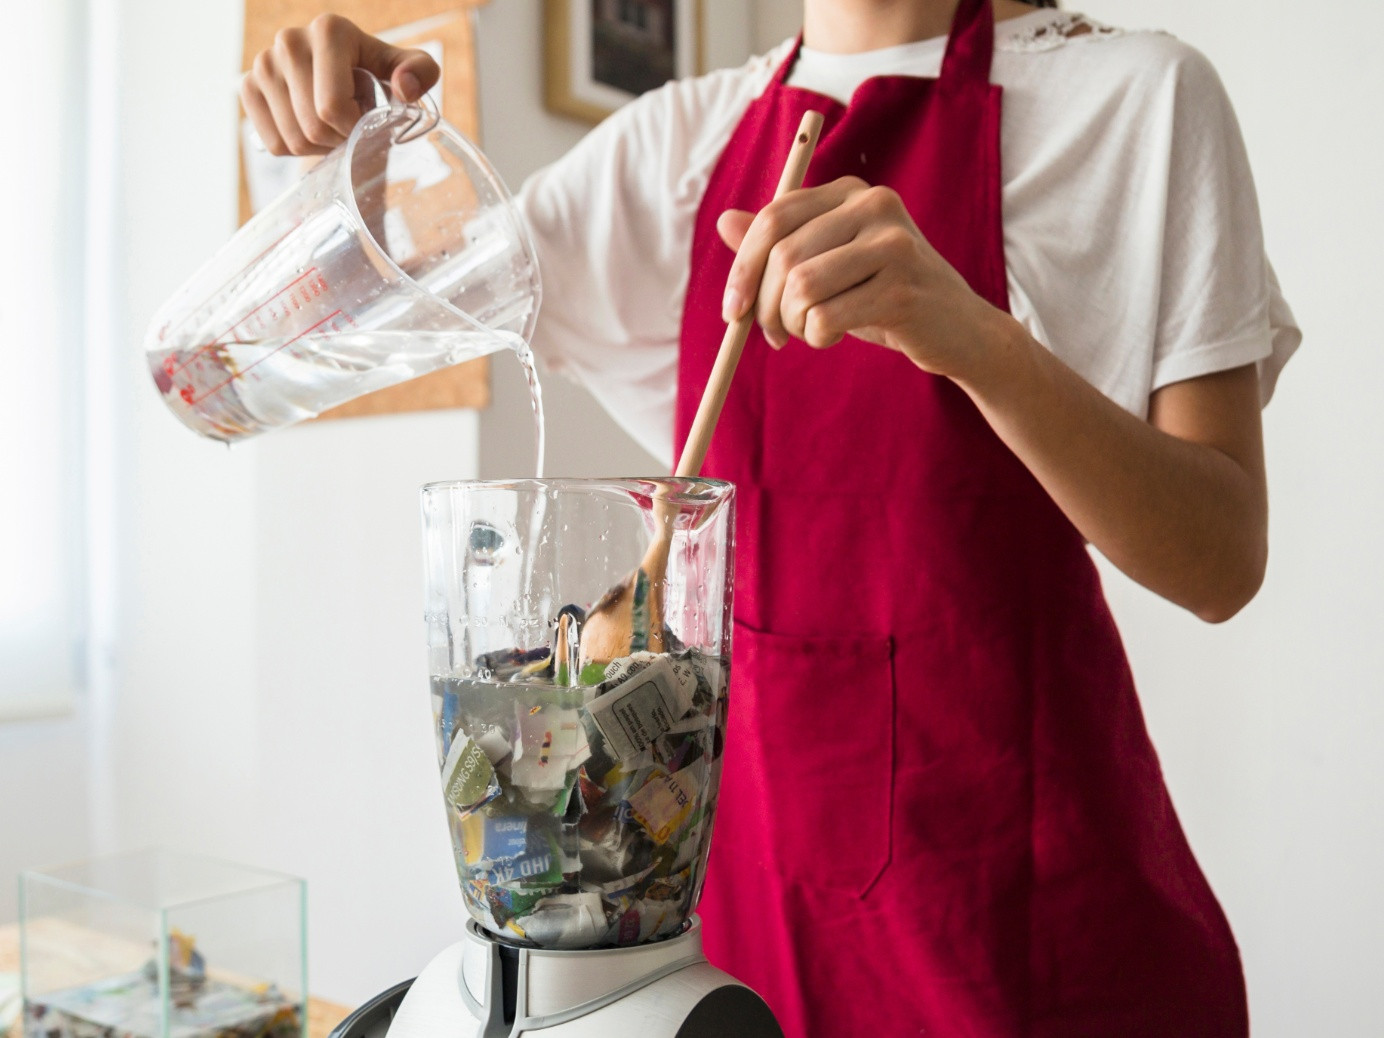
1131, 228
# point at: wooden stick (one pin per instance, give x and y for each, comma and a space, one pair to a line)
608, 628
733, 344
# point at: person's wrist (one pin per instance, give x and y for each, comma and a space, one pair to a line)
987, 351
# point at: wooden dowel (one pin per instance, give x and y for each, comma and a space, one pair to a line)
733, 343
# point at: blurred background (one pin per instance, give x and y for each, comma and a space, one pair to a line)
221, 650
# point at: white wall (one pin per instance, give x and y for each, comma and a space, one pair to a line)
45, 810
775, 21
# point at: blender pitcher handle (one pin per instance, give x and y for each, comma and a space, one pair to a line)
424, 110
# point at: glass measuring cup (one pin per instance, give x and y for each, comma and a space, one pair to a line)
399, 253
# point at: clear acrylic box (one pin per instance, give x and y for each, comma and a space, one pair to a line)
156, 944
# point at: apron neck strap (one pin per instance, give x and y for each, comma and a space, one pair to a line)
971, 44
786, 69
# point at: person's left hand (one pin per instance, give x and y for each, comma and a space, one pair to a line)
846, 258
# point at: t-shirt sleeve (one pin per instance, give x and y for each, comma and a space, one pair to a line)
612, 223
609, 276
1220, 305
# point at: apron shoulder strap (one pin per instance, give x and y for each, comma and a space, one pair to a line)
786, 69
970, 45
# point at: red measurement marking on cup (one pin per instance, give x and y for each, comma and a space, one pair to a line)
308, 285
338, 320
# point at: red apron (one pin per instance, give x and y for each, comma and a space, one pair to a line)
941, 812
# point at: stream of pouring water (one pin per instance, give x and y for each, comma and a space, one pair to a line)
526, 361
539, 507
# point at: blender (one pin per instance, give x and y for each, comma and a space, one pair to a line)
579, 792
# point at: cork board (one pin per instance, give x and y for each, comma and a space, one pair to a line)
445, 24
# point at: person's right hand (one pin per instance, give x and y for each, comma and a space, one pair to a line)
300, 93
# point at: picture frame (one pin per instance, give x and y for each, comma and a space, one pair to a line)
600, 54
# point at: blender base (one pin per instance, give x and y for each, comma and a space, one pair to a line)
481, 988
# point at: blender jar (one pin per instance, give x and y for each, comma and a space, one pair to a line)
579, 794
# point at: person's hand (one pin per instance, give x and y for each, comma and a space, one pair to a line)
846, 258
301, 95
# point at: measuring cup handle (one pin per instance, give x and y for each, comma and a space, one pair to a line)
425, 113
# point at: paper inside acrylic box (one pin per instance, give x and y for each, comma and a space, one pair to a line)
156, 944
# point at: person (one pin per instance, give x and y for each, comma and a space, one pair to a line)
1022, 305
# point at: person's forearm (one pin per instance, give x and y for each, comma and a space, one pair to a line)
1177, 502
1185, 519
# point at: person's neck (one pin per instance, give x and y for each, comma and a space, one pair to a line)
853, 26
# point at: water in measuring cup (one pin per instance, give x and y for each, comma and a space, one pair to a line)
229, 391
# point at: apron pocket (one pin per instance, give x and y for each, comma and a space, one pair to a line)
815, 722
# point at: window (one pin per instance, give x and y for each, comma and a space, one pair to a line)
42, 187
